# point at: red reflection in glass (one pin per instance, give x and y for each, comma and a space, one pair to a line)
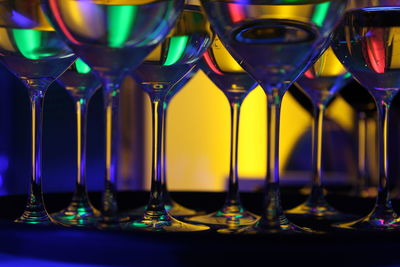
57, 16
236, 12
374, 49
210, 63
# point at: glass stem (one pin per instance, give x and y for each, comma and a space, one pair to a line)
272, 212
383, 200
167, 198
80, 194
233, 198
362, 176
273, 117
35, 204
317, 194
111, 104
156, 201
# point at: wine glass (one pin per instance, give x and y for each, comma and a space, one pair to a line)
235, 83
81, 84
320, 83
163, 68
274, 41
174, 208
171, 206
365, 43
32, 51
112, 37
363, 103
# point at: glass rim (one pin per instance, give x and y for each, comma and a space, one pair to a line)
357, 4
274, 2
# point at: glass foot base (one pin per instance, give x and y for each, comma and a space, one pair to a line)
35, 217
396, 194
319, 211
78, 214
112, 222
283, 226
376, 221
175, 209
160, 221
226, 217
366, 192
307, 190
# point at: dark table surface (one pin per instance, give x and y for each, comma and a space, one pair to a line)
92, 247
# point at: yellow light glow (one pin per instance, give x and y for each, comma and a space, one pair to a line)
224, 60
340, 111
43, 23
90, 25
155, 55
395, 41
124, 2
292, 12
16, 14
328, 65
252, 136
5, 42
197, 145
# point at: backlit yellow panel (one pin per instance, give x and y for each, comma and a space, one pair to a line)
252, 136
198, 135
294, 123
394, 37
342, 113
198, 130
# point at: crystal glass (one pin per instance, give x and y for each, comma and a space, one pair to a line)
112, 37
172, 207
81, 84
274, 41
366, 44
32, 51
320, 83
163, 68
365, 108
235, 83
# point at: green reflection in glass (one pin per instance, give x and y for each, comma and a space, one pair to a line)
28, 43
321, 10
120, 24
347, 75
296, 2
177, 46
139, 224
82, 67
33, 222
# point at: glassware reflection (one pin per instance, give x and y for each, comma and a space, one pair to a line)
81, 84
32, 51
162, 70
321, 83
123, 32
363, 103
362, 43
235, 83
274, 41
